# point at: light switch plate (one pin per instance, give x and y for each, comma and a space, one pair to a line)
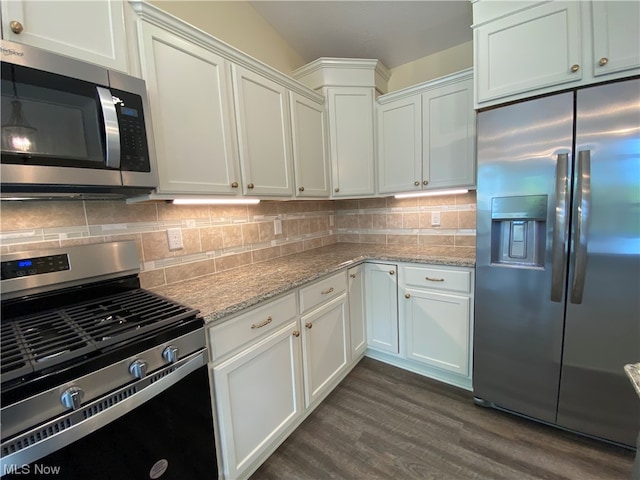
174, 237
277, 226
435, 219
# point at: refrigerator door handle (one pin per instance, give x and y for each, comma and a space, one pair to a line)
560, 228
583, 207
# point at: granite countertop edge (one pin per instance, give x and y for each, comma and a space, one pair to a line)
633, 372
299, 269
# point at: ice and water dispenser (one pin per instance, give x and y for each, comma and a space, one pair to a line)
518, 230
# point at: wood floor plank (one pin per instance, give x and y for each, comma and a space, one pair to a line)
382, 423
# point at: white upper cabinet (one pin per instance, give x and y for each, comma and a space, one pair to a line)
311, 161
351, 138
93, 31
264, 134
523, 49
426, 136
616, 37
191, 114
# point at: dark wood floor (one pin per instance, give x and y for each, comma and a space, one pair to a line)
382, 422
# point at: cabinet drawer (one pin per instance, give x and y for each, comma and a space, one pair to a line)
251, 325
320, 292
437, 279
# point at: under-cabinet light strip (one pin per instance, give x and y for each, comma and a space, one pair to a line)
432, 193
216, 201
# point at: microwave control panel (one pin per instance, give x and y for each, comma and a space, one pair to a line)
134, 151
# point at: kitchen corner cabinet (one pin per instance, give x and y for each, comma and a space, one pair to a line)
351, 139
310, 156
426, 136
264, 134
381, 282
357, 311
191, 114
93, 31
523, 50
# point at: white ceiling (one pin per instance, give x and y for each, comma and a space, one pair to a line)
395, 32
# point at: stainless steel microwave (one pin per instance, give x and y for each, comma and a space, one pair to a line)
71, 128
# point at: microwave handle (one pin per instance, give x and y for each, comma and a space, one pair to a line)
111, 127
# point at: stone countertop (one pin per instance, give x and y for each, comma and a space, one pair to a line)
225, 293
633, 372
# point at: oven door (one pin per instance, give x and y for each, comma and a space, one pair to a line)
169, 436
57, 129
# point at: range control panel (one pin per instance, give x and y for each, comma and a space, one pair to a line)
25, 267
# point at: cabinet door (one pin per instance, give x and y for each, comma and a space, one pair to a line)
616, 46
400, 145
310, 158
191, 112
448, 136
258, 397
325, 350
438, 330
382, 307
92, 30
351, 140
264, 134
357, 311
531, 49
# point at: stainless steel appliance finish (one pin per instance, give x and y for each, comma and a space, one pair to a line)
95, 140
557, 315
86, 353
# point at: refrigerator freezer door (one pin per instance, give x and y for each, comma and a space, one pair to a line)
518, 328
602, 331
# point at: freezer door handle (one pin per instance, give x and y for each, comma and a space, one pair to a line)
560, 227
583, 207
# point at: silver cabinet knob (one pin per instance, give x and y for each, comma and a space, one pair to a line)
250, 186
392, 272
138, 369
16, 27
575, 68
425, 182
603, 61
170, 354
301, 189
336, 190
234, 185
407, 295
416, 183
72, 397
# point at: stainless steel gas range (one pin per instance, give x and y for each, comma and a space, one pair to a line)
99, 377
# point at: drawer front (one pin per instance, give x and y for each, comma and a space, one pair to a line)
251, 326
324, 290
438, 279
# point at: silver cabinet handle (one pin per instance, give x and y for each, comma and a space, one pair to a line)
352, 275
575, 68
583, 207
112, 128
603, 61
431, 279
560, 228
326, 292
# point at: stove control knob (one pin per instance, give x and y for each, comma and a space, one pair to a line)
138, 368
71, 398
170, 354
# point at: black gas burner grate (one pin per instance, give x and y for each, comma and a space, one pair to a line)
35, 342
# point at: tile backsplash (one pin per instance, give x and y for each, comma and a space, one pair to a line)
217, 238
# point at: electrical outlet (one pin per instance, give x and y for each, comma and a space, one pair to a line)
331, 221
435, 219
174, 237
277, 226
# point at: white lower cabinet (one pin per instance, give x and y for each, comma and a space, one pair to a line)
382, 306
357, 311
325, 352
258, 395
438, 329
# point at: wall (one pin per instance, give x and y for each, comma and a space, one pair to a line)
239, 24
215, 238
391, 221
433, 66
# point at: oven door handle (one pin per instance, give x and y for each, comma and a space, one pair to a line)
78, 427
111, 127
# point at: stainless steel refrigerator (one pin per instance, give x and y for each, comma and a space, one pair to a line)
558, 259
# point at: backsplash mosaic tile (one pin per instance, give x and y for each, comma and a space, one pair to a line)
217, 238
